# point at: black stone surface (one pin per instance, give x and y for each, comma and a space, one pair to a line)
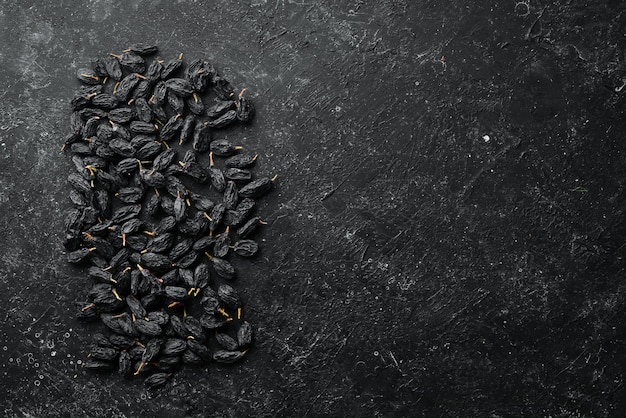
446, 237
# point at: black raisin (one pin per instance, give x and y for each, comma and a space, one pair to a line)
113, 68
180, 86
122, 114
245, 108
224, 148
226, 341
156, 261
194, 104
173, 346
229, 296
103, 353
105, 101
222, 267
140, 127
201, 137
246, 248
224, 356
176, 293
217, 177
147, 327
244, 335
171, 67
142, 49
132, 62
220, 108
171, 128
124, 363
224, 120
124, 88
222, 244
257, 188
99, 365
187, 129
239, 175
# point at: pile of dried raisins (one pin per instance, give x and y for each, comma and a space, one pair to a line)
161, 211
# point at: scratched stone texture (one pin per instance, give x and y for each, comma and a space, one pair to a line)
447, 233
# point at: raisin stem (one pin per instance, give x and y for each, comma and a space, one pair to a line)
139, 368
92, 170
93, 77
84, 308
117, 296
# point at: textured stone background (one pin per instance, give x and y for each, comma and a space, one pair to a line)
445, 238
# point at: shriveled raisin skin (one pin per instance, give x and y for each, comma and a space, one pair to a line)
244, 335
225, 356
142, 49
219, 108
246, 248
257, 188
229, 296
157, 380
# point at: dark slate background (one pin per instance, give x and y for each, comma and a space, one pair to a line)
446, 235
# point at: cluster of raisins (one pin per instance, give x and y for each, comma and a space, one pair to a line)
159, 254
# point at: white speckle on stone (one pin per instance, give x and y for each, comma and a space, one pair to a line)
486, 138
